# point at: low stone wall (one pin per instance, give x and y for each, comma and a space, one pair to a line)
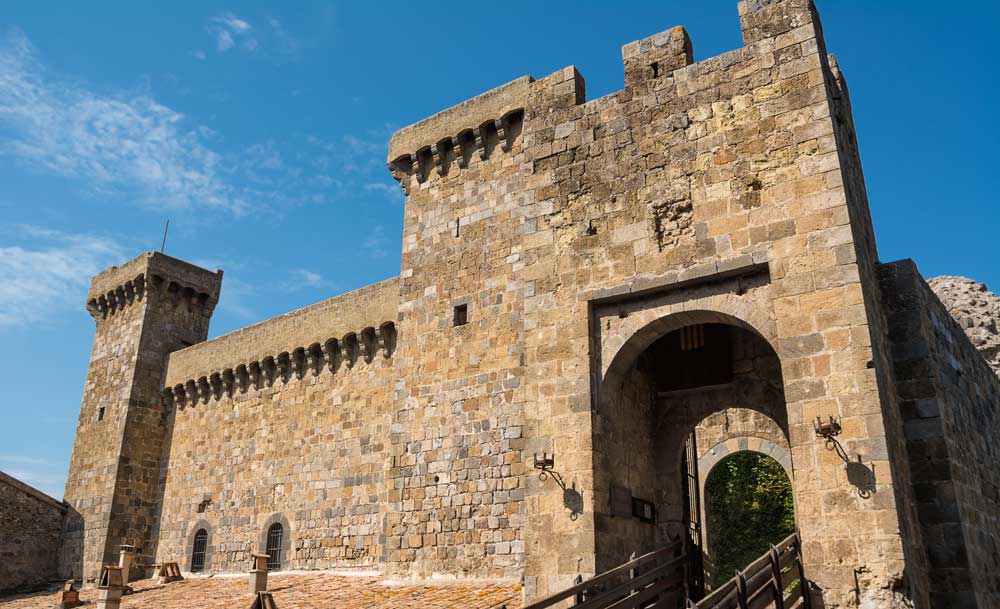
30, 522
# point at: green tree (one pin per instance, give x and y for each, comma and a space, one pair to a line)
749, 507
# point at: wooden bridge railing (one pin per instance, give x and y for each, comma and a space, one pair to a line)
657, 579
662, 579
775, 580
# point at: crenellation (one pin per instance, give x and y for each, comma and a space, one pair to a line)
497, 133
600, 281
284, 366
104, 305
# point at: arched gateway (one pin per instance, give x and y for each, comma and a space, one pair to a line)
584, 286
671, 381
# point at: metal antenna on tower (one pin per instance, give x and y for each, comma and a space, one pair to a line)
165, 229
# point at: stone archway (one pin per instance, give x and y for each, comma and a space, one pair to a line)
665, 378
748, 508
730, 432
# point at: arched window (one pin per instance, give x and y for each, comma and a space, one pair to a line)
198, 551
274, 539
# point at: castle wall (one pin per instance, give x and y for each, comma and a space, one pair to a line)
691, 173
31, 522
143, 310
947, 396
304, 443
457, 462
548, 241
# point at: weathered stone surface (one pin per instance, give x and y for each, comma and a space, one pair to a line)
977, 311
30, 524
561, 260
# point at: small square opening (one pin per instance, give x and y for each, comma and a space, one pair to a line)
100, 413
461, 316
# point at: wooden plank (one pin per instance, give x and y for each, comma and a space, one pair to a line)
605, 598
762, 598
646, 594
793, 596
788, 577
603, 578
716, 597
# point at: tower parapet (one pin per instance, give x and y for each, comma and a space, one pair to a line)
144, 310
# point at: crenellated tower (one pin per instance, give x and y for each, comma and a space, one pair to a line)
144, 310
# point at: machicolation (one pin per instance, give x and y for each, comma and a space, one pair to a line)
598, 303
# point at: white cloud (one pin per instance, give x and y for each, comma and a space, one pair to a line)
393, 191
224, 41
51, 275
198, 54
127, 143
230, 31
237, 297
299, 279
23, 459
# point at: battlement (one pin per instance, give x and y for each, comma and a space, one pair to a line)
340, 330
484, 122
495, 118
117, 287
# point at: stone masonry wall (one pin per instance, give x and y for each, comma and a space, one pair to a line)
143, 310
305, 443
548, 241
31, 522
976, 309
947, 396
457, 468
691, 171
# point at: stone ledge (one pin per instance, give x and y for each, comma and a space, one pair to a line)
708, 272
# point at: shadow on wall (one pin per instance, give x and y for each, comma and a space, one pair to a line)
70, 564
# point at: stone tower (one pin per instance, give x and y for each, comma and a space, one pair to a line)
144, 310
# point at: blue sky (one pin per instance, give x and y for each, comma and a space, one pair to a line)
260, 131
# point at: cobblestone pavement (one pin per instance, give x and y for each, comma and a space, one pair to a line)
299, 591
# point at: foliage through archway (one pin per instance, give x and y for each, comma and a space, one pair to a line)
749, 507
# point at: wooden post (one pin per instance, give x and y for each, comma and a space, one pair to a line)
803, 583
741, 590
631, 573
779, 594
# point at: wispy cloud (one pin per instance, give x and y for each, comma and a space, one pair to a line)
124, 143
231, 31
47, 483
390, 191
300, 279
51, 274
375, 244
23, 460
286, 42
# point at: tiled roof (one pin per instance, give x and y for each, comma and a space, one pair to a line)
300, 591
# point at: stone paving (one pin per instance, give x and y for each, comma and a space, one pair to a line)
299, 591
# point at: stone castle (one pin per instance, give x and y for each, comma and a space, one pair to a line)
617, 292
